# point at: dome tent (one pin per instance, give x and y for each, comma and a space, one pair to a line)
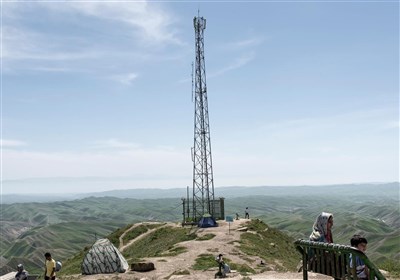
207, 221
103, 257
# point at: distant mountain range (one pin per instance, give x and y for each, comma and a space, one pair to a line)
383, 189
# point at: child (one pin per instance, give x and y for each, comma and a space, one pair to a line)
359, 242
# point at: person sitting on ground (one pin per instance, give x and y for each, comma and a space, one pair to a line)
22, 274
359, 242
322, 228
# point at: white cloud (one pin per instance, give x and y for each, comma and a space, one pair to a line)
362, 120
308, 170
243, 51
116, 161
114, 143
392, 125
243, 44
8, 143
235, 64
23, 44
148, 20
125, 79
147, 29
124, 162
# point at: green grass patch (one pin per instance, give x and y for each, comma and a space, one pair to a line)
179, 272
140, 229
134, 232
207, 261
207, 236
73, 265
243, 269
204, 262
158, 242
269, 244
114, 236
175, 251
393, 266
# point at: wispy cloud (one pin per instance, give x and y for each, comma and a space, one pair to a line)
53, 69
125, 79
235, 64
8, 143
23, 44
151, 23
147, 28
243, 51
374, 119
114, 144
392, 125
119, 159
243, 44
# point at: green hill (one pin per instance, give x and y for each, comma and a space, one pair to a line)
168, 240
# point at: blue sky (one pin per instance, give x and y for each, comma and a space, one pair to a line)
96, 95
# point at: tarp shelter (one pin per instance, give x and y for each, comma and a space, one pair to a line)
8, 276
103, 257
207, 221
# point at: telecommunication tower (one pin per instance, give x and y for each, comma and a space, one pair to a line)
203, 182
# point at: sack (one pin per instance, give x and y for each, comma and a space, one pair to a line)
227, 269
58, 265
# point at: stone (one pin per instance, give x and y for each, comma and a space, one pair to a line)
142, 267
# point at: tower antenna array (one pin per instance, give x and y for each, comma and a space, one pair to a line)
203, 182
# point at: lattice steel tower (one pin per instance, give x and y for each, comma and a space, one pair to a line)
203, 182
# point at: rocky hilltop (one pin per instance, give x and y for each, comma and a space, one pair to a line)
226, 239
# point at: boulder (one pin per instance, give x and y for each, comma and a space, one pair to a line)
142, 267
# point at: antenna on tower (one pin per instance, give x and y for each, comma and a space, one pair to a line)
192, 81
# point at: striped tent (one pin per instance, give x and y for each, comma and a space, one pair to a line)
103, 257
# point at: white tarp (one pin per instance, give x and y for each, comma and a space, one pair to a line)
8, 276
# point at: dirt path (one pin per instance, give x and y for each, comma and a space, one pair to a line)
227, 236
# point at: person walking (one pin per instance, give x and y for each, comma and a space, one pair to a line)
50, 267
